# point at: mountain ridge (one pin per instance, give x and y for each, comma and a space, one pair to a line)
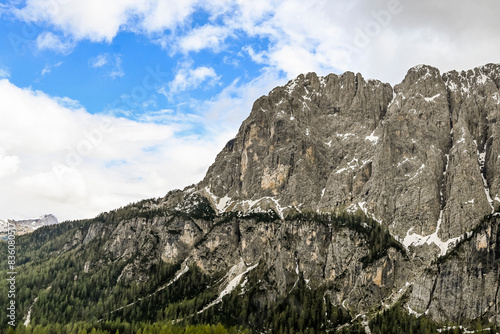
338, 200
359, 126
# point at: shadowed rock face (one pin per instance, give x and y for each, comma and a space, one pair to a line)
421, 158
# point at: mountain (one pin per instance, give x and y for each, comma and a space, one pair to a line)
26, 226
421, 158
341, 204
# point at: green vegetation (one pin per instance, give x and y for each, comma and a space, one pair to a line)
303, 310
117, 327
396, 320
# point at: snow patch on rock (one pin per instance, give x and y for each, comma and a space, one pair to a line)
372, 138
28, 316
233, 279
419, 240
431, 99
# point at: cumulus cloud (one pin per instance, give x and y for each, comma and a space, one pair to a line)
100, 21
191, 78
95, 20
167, 14
8, 164
74, 164
380, 38
205, 37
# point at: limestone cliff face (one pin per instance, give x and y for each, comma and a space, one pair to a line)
323, 253
421, 158
302, 146
464, 284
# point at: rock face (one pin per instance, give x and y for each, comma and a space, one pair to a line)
451, 289
327, 251
306, 146
421, 158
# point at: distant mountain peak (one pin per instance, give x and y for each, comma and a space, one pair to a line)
27, 225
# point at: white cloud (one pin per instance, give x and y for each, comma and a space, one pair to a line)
100, 21
4, 73
60, 184
191, 78
114, 61
167, 14
8, 164
50, 41
75, 164
117, 70
95, 20
226, 111
205, 37
380, 39
99, 61
48, 68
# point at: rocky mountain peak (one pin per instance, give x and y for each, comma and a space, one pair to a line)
420, 158
290, 138
421, 73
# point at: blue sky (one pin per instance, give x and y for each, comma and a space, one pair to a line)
107, 102
105, 76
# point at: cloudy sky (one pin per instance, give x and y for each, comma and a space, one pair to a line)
107, 102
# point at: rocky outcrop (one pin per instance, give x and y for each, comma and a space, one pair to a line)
464, 284
302, 145
320, 249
